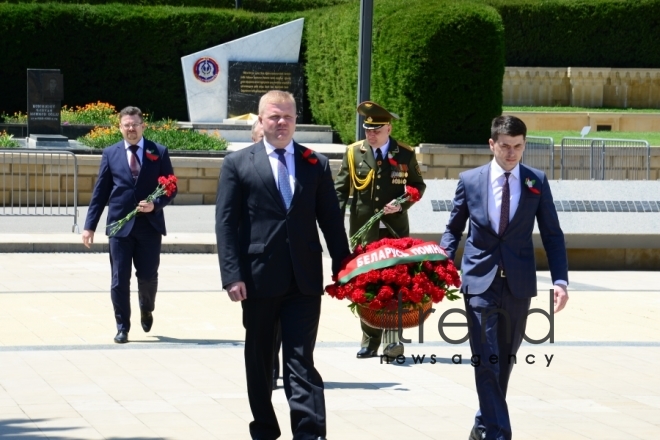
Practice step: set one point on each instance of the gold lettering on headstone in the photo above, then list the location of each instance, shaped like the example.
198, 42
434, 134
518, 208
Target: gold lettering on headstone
254, 82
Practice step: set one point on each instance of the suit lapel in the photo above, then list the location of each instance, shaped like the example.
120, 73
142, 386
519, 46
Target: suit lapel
123, 159
484, 183
261, 164
367, 156
300, 173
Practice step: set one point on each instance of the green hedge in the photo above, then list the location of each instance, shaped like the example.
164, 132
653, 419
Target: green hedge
438, 65
124, 56
581, 33
248, 5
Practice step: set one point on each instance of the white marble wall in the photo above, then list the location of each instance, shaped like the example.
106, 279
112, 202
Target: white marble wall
207, 101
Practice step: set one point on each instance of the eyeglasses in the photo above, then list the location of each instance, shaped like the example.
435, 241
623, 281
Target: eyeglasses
129, 126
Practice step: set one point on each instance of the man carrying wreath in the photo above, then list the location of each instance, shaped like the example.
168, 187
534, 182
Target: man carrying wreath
129, 173
376, 171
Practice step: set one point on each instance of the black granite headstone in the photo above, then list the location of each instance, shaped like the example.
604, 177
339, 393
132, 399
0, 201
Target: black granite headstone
45, 92
249, 81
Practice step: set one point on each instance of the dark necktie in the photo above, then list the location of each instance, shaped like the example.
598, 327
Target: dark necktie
506, 201
379, 157
134, 162
283, 178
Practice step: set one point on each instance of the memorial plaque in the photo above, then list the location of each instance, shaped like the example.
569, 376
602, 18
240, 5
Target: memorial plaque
617, 206
249, 81
601, 206
655, 206
646, 206
610, 206
45, 92
435, 205
558, 207
638, 206
588, 206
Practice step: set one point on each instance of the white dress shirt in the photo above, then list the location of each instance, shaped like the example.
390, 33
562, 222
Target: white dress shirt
139, 153
495, 193
290, 163
495, 197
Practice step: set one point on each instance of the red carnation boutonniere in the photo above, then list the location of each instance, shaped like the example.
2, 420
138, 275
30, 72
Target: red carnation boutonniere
151, 155
530, 186
391, 160
309, 156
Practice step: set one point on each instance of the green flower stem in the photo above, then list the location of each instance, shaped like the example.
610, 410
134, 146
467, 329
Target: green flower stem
357, 238
116, 226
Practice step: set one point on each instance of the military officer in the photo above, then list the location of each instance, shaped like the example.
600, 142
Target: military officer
376, 171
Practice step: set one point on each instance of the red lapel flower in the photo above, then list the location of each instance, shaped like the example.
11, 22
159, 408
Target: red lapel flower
530, 186
308, 155
151, 155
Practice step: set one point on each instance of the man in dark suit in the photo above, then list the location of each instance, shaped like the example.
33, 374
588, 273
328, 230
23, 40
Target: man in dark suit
128, 173
270, 197
500, 201
377, 170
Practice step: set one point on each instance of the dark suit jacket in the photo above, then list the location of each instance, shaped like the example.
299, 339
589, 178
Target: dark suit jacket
116, 188
259, 240
484, 247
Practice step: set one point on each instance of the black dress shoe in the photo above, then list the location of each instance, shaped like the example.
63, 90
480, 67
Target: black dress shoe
147, 320
477, 433
122, 337
365, 353
393, 350
274, 383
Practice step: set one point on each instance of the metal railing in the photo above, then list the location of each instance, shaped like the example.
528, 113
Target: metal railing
39, 183
605, 159
540, 154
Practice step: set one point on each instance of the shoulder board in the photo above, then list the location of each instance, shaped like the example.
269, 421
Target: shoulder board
355, 144
407, 147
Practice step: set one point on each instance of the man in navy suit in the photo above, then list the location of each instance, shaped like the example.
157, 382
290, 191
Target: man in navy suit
128, 173
270, 197
500, 201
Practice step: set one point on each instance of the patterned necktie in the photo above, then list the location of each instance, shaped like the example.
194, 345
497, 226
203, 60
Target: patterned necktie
379, 157
506, 196
283, 178
134, 162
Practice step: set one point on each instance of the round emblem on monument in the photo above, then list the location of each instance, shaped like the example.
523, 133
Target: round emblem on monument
206, 69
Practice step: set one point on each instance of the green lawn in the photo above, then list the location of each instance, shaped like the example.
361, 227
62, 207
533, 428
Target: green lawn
578, 109
653, 138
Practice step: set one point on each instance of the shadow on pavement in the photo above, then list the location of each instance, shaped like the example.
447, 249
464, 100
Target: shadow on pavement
359, 385
26, 429
169, 340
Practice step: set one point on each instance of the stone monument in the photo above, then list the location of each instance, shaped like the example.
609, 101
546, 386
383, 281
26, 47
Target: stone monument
45, 91
207, 73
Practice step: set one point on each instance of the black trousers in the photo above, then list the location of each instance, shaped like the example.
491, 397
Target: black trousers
497, 322
298, 316
142, 249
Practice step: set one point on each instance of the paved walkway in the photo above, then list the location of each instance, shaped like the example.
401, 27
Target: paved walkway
62, 377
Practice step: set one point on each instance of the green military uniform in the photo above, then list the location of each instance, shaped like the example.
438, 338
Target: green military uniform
380, 187
373, 187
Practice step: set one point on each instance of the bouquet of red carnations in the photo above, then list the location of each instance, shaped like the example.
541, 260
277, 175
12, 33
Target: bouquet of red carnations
166, 186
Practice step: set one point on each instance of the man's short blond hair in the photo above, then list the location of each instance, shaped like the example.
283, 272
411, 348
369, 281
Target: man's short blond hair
276, 97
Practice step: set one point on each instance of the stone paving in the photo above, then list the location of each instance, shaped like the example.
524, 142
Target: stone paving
62, 377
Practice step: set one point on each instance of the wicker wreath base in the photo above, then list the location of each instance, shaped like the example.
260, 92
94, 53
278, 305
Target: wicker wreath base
390, 320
